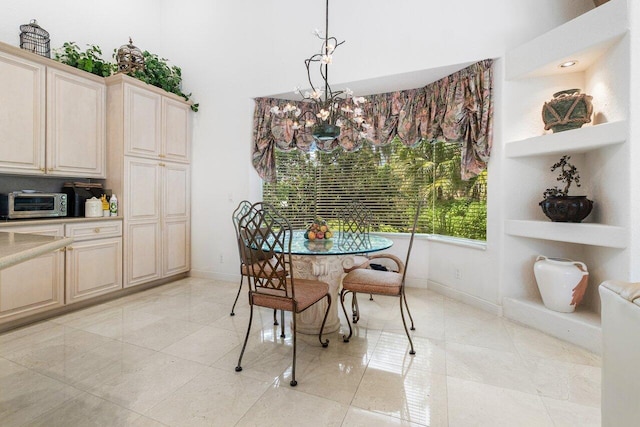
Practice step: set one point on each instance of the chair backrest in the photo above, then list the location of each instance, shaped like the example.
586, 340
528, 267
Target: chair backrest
267, 235
354, 225
413, 233
239, 212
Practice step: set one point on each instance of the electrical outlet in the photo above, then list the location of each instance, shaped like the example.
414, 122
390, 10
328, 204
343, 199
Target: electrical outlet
457, 273
221, 259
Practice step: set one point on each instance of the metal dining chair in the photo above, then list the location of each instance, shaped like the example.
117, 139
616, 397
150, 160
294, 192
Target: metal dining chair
242, 209
266, 235
354, 226
380, 282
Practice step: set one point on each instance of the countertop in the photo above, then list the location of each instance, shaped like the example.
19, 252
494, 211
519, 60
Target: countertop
54, 220
19, 247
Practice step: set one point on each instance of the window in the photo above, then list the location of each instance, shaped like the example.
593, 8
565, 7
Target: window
388, 180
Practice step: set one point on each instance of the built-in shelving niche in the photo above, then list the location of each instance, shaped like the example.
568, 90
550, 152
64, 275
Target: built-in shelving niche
599, 41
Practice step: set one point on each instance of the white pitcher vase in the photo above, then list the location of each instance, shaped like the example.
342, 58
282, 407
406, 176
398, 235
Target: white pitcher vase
562, 282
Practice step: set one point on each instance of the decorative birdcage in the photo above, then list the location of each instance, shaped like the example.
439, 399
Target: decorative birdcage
129, 58
35, 39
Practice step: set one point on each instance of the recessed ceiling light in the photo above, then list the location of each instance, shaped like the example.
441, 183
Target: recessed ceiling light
568, 64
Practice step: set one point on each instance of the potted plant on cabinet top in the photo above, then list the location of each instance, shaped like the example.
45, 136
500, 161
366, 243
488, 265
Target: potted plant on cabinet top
557, 205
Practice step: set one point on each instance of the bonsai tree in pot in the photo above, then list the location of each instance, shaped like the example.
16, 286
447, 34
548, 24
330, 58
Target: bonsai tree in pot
557, 205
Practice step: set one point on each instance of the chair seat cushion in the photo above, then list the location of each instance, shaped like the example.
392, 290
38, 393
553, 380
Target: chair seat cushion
308, 292
373, 282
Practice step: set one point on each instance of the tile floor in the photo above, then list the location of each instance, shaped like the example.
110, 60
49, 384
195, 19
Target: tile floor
166, 356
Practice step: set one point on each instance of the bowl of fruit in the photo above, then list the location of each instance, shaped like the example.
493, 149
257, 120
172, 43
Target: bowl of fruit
318, 230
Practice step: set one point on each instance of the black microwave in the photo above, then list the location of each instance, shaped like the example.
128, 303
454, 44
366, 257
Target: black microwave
27, 204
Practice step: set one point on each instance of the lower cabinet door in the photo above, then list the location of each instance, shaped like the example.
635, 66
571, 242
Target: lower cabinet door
143, 253
31, 287
93, 267
176, 247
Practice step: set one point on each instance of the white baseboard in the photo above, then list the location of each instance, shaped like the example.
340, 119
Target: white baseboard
581, 327
206, 274
465, 298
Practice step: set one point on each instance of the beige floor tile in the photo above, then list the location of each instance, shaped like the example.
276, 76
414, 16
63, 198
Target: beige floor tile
86, 410
26, 394
284, 406
417, 398
357, 417
477, 404
331, 376
49, 351
143, 385
214, 397
206, 345
532, 343
88, 369
494, 367
567, 414
566, 381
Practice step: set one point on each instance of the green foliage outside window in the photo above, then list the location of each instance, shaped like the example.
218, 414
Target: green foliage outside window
388, 180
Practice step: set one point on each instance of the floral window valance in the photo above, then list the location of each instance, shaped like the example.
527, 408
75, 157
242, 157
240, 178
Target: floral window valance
457, 108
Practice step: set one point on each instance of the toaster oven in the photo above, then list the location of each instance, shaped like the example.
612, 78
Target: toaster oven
32, 204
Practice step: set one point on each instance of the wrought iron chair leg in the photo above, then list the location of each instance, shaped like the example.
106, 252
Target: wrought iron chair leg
326, 313
293, 382
282, 334
404, 296
370, 297
355, 309
275, 317
237, 295
343, 294
246, 338
404, 323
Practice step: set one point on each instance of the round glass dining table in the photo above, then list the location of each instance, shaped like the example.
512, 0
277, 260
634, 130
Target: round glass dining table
323, 259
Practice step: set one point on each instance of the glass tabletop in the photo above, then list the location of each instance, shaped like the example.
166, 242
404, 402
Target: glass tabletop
339, 244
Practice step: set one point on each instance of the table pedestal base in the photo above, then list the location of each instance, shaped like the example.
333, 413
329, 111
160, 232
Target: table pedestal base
327, 269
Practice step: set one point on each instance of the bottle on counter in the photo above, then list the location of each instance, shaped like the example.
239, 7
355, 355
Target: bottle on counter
113, 205
105, 206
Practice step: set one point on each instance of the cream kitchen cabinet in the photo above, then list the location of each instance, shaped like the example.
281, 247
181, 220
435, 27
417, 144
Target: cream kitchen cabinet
36, 285
76, 134
52, 115
157, 218
155, 123
94, 260
148, 141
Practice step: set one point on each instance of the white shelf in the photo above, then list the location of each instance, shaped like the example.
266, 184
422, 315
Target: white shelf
581, 233
606, 25
580, 140
581, 327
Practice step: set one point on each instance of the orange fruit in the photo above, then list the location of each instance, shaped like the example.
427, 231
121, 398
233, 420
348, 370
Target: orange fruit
312, 235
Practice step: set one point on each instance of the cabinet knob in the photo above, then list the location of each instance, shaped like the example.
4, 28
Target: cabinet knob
43, 170
161, 155
96, 230
161, 164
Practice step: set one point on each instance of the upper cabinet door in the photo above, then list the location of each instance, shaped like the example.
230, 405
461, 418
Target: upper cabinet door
175, 130
142, 131
76, 138
22, 116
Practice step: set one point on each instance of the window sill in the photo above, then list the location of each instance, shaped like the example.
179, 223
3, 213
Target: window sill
456, 241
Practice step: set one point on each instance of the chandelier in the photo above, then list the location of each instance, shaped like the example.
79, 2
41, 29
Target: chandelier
328, 111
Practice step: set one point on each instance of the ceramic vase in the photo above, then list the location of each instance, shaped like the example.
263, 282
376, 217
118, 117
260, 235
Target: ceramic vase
561, 282
569, 109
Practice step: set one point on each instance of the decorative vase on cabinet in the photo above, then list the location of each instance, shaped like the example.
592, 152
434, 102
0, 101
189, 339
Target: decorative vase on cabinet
562, 282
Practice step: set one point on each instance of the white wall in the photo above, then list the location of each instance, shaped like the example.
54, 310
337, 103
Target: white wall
234, 50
